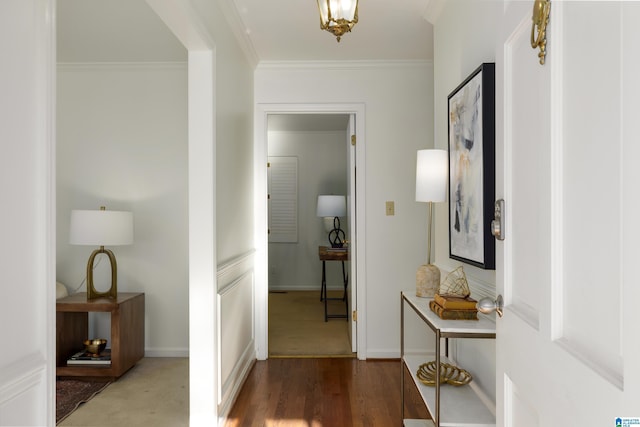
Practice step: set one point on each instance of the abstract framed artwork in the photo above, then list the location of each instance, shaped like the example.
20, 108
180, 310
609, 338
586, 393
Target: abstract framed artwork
472, 168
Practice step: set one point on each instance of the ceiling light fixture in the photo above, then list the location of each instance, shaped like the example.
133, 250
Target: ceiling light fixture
338, 16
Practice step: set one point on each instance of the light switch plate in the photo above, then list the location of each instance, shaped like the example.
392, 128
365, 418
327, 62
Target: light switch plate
390, 208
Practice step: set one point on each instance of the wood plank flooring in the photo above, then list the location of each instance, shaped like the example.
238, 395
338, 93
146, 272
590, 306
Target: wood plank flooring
327, 392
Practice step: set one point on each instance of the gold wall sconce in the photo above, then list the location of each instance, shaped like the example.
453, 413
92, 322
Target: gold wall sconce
541, 9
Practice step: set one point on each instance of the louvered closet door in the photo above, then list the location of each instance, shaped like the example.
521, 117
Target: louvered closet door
282, 181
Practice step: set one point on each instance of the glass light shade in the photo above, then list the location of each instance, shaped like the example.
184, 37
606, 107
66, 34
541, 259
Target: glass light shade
331, 206
338, 16
323, 7
431, 175
101, 228
343, 9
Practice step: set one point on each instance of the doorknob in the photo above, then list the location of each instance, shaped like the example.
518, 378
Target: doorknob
487, 305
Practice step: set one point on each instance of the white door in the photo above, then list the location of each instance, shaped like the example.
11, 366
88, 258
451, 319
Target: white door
351, 214
568, 346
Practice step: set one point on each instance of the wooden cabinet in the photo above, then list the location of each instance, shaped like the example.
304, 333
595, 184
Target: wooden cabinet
448, 405
127, 333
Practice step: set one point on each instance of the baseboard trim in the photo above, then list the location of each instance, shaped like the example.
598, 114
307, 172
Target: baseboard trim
383, 354
231, 389
305, 288
314, 356
166, 352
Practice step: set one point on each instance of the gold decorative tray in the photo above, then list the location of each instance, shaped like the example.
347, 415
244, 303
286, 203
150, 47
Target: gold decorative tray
449, 374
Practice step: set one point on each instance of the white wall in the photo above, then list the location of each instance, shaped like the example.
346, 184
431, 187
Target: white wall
322, 169
27, 253
27, 373
122, 143
465, 35
227, 319
398, 99
463, 41
218, 278
233, 94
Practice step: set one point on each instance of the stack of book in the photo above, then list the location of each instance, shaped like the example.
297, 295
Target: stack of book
454, 307
85, 358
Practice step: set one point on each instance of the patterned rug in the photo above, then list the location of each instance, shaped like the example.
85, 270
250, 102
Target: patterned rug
72, 393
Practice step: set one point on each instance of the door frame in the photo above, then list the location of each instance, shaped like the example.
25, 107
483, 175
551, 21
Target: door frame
261, 216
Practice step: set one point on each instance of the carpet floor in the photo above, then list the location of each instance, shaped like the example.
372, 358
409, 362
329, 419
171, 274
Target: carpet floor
70, 394
297, 327
155, 393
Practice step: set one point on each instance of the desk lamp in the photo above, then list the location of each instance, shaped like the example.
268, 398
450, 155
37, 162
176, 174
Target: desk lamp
333, 206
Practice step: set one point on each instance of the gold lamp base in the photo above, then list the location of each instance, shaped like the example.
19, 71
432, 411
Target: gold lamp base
112, 292
427, 281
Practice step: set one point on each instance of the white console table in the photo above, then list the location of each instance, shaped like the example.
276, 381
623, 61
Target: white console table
448, 405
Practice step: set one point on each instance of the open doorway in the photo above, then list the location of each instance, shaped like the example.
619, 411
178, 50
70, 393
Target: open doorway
308, 156
355, 207
188, 77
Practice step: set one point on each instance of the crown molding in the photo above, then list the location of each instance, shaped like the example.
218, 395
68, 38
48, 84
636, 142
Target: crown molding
121, 65
433, 10
343, 65
233, 17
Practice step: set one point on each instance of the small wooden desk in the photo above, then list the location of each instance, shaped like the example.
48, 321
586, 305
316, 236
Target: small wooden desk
127, 333
326, 254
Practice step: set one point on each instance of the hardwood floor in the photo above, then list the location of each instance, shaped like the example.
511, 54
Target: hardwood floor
329, 392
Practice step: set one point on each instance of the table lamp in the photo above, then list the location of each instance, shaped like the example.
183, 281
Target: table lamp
329, 207
101, 228
431, 186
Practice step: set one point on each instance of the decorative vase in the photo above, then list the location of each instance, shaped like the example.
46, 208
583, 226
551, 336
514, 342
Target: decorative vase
427, 280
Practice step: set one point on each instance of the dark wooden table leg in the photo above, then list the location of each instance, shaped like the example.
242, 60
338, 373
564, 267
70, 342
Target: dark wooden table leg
324, 289
345, 278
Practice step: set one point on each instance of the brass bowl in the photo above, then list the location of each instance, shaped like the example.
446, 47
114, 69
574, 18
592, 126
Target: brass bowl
449, 374
95, 346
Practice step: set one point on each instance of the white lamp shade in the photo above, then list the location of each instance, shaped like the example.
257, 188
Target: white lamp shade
331, 206
101, 228
431, 176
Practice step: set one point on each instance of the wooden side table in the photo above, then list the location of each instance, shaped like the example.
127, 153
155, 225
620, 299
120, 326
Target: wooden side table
127, 333
326, 254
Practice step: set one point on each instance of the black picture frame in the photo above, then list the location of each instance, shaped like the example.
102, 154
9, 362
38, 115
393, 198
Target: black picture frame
471, 141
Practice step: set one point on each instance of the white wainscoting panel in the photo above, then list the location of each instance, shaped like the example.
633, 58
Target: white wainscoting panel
236, 333
23, 383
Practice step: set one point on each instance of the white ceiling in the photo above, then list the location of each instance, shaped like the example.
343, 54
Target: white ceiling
275, 30
113, 31
290, 30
